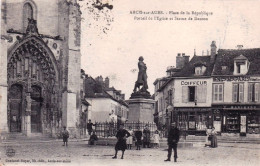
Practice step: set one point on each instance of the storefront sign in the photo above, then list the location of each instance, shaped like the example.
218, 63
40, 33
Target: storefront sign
234, 78
193, 83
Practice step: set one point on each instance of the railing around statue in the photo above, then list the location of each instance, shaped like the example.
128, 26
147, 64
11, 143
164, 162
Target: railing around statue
108, 129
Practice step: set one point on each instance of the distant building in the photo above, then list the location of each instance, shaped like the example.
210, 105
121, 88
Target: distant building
106, 103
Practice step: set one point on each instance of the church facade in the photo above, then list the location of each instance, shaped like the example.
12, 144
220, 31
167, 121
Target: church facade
40, 66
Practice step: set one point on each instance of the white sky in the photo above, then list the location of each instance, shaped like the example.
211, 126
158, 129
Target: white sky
115, 53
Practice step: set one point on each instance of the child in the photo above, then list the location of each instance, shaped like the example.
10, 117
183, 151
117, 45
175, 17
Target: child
156, 139
65, 135
129, 140
138, 138
93, 139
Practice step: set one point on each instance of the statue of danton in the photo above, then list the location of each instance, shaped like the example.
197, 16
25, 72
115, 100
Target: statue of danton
142, 76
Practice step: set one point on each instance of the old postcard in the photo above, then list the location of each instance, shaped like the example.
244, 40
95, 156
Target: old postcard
130, 82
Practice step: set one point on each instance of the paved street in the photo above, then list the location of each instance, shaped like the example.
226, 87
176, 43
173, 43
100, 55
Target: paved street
78, 153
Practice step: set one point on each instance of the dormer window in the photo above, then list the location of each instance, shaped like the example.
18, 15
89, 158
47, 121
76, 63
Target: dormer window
241, 65
200, 68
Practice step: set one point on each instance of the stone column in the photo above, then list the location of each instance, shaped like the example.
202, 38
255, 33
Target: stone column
28, 115
3, 73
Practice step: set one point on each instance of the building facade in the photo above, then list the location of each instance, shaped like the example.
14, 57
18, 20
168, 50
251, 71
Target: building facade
236, 91
164, 92
219, 90
106, 103
40, 66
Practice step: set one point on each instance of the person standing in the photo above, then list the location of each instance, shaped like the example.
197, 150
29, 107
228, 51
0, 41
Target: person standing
89, 126
173, 139
65, 136
121, 136
138, 137
129, 140
156, 139
146, 137
214, 142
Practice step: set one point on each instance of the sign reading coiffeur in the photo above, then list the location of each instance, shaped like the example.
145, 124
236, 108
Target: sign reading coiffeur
193, 83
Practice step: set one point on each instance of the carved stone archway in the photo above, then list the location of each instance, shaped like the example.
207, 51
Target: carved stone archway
32, 65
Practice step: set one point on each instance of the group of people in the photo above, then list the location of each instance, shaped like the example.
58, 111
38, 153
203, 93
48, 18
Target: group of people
142, 138
124, 140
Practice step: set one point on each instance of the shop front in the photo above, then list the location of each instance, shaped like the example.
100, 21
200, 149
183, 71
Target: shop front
194, 121
239, 119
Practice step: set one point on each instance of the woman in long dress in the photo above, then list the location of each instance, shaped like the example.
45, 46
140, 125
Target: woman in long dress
214, 141
129, 140
121, 136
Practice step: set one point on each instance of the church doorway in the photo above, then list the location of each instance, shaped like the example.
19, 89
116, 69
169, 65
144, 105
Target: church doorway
15, 101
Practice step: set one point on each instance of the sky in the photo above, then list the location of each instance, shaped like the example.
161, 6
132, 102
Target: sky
112, 40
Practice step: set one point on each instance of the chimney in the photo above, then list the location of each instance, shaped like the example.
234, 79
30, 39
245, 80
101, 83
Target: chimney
107, 82
213, 51
181, 61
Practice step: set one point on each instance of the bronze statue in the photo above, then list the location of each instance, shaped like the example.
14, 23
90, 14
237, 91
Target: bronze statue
142, 76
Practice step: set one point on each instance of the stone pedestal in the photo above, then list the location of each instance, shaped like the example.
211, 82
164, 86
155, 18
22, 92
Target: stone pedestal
141, 110
28, 126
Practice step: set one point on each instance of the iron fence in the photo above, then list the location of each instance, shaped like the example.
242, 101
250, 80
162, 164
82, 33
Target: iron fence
109, 129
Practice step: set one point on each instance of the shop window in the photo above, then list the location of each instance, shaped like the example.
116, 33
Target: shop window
253, 124
218, 92
238, 92
232, 123
192, 93
192, 121
253, 92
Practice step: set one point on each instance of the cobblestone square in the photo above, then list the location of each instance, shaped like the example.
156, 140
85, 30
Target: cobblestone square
79, 153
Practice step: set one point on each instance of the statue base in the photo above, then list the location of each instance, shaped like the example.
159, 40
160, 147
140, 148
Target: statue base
141, 110
140, 94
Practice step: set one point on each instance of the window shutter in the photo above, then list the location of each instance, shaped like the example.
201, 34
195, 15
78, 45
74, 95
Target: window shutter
201, 93
220, 88
257, 92
184, 94
250, 95
241, 92
235, 92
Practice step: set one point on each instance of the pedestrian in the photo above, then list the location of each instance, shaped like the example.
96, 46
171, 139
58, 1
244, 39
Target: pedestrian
93, 139
208, 137
89, 126
129, 140
173, 139
138, 138
156, 139
214, 141
121, 136
65, 136
146, 137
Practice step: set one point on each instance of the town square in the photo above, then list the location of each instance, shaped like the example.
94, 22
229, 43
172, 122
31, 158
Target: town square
109, 82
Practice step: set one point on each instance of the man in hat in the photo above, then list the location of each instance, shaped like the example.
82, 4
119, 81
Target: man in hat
65, 136
173, 139
121, 136
89, 126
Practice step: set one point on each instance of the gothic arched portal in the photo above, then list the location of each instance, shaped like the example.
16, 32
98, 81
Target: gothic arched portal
32, 71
